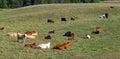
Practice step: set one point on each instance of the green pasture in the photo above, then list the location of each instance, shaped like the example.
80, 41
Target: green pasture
105, 45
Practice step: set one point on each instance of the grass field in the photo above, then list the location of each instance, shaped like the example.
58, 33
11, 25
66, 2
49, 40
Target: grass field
105, 45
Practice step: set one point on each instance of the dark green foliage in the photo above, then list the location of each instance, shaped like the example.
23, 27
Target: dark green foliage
3, 3
14, 3
32, 2
26, 2
22, 3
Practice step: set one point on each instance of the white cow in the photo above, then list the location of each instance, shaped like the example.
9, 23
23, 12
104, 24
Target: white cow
43, 45
102, 16
87, 36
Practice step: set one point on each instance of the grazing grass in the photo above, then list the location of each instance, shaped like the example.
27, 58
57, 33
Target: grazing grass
105, 45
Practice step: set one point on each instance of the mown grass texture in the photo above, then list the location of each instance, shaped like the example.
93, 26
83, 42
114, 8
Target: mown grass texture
105, 45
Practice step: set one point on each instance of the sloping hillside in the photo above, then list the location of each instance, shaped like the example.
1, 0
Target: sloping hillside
105, 45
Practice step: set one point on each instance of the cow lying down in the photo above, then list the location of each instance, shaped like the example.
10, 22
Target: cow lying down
31, 45
62, 46
43, 45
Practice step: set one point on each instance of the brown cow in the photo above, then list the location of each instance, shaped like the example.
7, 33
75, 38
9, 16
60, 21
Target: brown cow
32, 45
98, 30
73, 18
31, 33
62, 46
52, 31
71, 37
2, 28
50, 21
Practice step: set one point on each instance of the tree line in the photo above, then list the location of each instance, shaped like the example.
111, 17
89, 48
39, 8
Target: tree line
22, 3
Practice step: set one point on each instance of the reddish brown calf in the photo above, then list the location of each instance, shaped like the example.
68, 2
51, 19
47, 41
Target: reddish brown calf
71, 37
32, 45
62, 46
31, 33
98, 30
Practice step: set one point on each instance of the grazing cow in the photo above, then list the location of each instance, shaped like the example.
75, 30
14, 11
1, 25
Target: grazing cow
87, 36
98, 30
68, 33
104, 16
12, 34
71, 37
2, 28
52, 31
43, 45
63, 19
50, 21
34, 33
62, 46
48, 37
21, 37
32, 45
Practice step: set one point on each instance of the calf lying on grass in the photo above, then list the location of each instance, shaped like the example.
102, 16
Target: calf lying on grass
30, 37
62, 46
71, 37
50, 21
63, 19
104, 15
73, 18
32, 45
34, 33
43, 45
2, 28
68, 34
87, 36
98, 30
111, 6
52, 31
12, 34
47, 36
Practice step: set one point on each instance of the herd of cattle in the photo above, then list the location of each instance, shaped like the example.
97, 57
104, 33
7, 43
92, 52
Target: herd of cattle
70, 35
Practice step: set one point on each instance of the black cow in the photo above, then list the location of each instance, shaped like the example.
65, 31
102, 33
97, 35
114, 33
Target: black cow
111, 6
21, 37
68, 34
63, 19
106, 15
50, 21
47, 37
